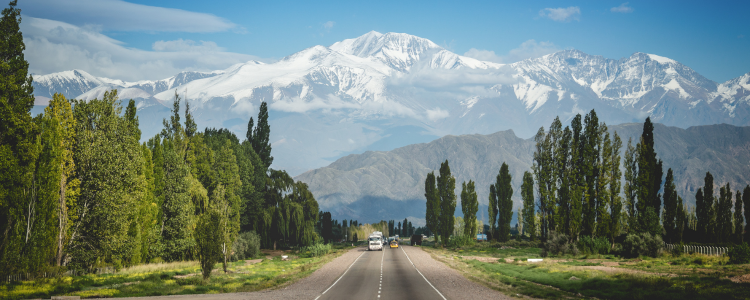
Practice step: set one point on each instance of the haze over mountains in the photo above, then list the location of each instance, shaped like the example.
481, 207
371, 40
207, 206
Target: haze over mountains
383, 91
379, 185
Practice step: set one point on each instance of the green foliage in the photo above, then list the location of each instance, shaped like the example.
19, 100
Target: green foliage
111, 186
649, 172
669, 216
247, 245
208, 240
643, 244
432, 214
558, 244
317, 249
738, 219
589, 245
458, 241
631, 186
177, 208
527, 194
678, 250
446, 187
746, 202
504, 191
260, 138
469, 206
739, 254
704, 202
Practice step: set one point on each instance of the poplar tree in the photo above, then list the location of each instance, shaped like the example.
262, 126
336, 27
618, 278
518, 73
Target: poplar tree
704, 204
432, 214
446, 186
613, 189
681, 219
670, 208
18, 143
469, 206
738, 219
746, 202
542, 173
631, 186
724, 214
261, 136
527, 194
492, 212
649, 180
504, 191
576, 175
603, 200
590, 168
562, 170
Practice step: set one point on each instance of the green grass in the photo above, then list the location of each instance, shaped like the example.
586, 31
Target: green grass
619, 286
166, 279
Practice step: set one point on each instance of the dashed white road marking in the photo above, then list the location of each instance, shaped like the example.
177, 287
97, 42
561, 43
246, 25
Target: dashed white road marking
342, 276
420, 273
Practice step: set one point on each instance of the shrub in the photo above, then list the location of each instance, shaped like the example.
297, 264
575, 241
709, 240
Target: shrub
739, 254
643, 244
207, 241
247, 245
589, 245
318, 249
558, 244
678, 250
457, 241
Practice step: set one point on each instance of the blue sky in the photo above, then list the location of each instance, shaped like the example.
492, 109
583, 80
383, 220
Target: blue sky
155, 39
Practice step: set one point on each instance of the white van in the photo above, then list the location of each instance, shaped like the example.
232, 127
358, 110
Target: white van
375, 242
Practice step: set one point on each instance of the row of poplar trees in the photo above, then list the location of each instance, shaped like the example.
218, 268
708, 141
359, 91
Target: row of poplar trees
78, 189
580, 189
441, 204
716, 223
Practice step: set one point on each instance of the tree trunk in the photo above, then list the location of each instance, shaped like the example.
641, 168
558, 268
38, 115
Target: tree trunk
62, 221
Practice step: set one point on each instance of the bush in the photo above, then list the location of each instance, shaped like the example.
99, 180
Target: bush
678, 250
558, 244
457, 241
207, 241
739, 254
589, 245
247, 245
643, 244
318, 249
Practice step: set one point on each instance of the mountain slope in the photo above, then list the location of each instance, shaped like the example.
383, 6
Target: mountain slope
359, 94
360, 181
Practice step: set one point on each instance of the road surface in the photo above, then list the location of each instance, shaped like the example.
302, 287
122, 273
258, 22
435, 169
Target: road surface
387, 274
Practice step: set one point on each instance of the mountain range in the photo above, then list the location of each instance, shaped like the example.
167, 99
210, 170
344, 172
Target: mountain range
384, 91
382, 185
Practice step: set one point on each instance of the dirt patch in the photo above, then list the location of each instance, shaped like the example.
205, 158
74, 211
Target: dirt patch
485, 259
740, 279
613, 270
253, 261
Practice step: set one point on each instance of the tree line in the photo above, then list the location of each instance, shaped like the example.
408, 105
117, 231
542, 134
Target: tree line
78, 189
576, 187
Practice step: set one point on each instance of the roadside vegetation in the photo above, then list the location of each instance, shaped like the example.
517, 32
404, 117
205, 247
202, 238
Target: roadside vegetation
264, 271
505, 267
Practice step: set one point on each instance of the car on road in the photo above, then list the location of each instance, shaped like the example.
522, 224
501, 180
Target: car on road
375, 241
394, 244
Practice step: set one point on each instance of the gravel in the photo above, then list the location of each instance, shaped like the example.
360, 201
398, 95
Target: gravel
448, 281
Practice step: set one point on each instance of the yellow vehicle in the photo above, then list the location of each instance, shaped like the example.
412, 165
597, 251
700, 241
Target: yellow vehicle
394, 244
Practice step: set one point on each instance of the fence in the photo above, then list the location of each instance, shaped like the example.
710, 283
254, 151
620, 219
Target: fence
707, 250
32, 276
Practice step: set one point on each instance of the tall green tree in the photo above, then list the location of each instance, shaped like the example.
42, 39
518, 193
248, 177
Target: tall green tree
577, 185
631, 186
261, 136
492, 213
669, 215
18, 144
527, 213
738, 219
177, 207
681, 219
504, 191
724, 214
614, 175
469, 206
446, 187
432, 213
603, 224
591, 169
704, 202
649, 177
110, 185
563, 170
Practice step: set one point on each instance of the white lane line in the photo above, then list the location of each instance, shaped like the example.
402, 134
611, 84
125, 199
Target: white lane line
420, 273
342, 276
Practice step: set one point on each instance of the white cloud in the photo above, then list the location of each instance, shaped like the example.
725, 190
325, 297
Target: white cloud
623, 8
123, 16
54, 46
561, 14
329, 24
527, 49
436, 114
186, 46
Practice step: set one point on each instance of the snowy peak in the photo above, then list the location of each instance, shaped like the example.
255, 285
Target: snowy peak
397, 50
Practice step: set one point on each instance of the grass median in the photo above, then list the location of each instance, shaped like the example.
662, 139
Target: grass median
176, 278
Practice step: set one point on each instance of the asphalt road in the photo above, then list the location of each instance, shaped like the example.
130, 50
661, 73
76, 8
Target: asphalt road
387, 274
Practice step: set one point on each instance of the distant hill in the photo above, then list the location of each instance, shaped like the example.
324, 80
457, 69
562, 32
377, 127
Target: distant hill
379, 185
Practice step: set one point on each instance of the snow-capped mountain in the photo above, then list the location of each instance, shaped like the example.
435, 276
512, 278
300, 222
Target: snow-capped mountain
382, 91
